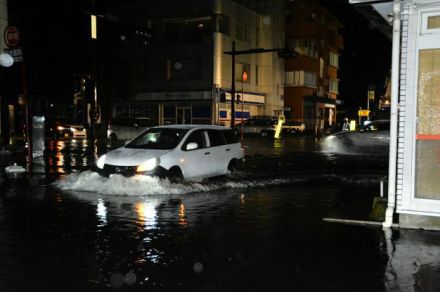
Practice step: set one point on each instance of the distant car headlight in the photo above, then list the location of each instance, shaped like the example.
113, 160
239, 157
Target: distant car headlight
60, 128
148, 165
101, 161
73, 129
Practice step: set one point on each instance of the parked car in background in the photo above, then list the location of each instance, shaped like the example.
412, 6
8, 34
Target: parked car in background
177, 152
257, 126
127, 128
293, 127
59, 130
371, 138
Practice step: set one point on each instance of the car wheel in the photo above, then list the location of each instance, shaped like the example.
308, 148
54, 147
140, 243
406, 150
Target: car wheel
175, 174
233, 166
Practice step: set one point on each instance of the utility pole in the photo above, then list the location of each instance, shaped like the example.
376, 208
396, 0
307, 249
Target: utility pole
233, 87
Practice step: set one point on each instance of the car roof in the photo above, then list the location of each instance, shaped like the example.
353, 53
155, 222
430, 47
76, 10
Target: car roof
194, 126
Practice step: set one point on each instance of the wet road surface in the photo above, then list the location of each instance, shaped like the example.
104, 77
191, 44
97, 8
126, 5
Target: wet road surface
63, 228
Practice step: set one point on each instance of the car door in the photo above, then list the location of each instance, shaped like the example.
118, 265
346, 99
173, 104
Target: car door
220, 151
197, 162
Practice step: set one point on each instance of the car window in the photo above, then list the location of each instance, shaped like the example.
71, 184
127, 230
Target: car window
230, 137
198, 137
158, 138
216, 138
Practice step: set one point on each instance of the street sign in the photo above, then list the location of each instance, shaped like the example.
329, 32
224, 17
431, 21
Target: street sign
16, 53
363, 113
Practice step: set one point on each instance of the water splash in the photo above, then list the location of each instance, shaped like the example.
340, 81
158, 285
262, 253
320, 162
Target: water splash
89, 181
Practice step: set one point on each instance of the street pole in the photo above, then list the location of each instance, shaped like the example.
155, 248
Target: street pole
27, 115
233, 87
242, 101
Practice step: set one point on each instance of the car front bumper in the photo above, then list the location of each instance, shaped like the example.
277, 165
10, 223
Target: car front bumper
128, 171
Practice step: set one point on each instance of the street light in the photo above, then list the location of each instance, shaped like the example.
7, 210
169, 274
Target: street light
6, 60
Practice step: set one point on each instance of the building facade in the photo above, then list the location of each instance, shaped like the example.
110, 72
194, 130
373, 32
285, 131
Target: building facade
311, 80
182, 74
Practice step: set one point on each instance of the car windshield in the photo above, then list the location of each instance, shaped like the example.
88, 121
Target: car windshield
158, 138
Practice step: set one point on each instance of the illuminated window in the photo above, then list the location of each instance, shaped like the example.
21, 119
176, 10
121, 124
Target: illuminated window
430, 22
334, 60
301, 78
434, 22
334, 85
304, 47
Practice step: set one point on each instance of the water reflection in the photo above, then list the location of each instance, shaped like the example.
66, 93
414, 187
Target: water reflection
147, 214
182, 217
101, 212
72, 155
413, 260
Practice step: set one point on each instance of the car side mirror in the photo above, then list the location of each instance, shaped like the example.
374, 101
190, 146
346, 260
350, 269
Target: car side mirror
192, 146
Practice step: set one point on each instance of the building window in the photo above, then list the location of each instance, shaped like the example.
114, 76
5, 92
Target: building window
310, 79
294, 78
304, 47
334, 85
434, 22
243, 32
301, 78
334, 60
222, 24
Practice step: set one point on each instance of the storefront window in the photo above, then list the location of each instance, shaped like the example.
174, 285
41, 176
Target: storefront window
169, 114
428, 126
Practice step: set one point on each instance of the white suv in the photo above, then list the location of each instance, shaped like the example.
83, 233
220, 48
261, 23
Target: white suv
177, 152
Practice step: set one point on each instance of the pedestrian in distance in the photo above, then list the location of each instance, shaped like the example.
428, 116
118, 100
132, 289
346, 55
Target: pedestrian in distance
346, 125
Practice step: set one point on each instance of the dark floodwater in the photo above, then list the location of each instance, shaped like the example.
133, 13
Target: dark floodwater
65, 229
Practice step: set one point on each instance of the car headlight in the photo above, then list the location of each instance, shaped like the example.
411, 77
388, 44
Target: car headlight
73, 129
60, 128
101, 161
148, 165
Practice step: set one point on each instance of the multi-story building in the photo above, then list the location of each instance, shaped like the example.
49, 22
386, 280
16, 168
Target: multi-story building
180, 71
311, 80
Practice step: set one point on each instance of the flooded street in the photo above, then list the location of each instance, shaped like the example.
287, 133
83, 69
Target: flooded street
65, 228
